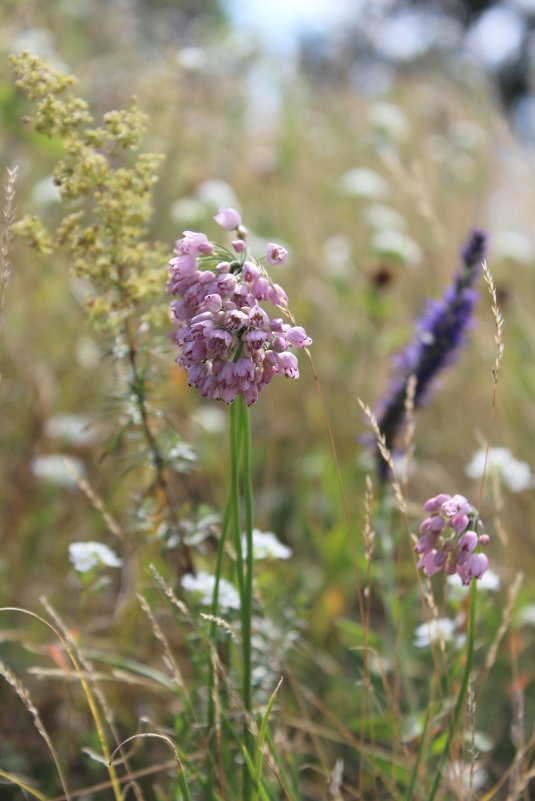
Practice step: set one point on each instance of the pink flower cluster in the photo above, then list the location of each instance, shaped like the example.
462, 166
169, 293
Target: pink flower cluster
227, 342
447, 542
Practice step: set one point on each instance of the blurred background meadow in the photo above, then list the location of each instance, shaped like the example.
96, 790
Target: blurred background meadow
368, 138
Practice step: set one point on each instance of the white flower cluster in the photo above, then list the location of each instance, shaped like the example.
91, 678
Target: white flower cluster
267, 546
202, 585
514, 474
87, 555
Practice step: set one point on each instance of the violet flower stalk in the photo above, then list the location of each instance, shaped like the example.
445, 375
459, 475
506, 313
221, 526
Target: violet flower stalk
440, 333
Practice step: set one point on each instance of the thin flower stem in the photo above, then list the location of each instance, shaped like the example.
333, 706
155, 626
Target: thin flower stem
462, 693
235, 496
213, 639
247, 601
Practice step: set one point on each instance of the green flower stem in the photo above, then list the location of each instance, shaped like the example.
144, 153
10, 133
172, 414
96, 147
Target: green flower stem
235, 495
247, 598
462, 694
213, 641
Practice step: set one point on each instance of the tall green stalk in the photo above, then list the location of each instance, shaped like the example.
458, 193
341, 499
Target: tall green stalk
247, 599
462, 693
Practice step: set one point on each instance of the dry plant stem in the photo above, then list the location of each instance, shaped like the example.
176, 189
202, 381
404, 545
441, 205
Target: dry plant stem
9, 777
498, 338
138, 774
180, 774
26, 699
367, 695
92, 679
137, 385
5, 250
88, 693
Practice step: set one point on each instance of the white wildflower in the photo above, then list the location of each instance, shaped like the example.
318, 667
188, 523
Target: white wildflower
457, 591
440, 628
379, 216
266, 545
191, 58
87, 555
361, 182
389, 242
509, 244
45, 192
458, 776
337, 256
202, 585
54, 467
216, 193
211, 418
389, 119
514, 474
69, 427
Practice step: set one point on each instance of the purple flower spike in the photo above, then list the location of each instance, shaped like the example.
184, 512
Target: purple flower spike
227, 218
276, 254
440, 333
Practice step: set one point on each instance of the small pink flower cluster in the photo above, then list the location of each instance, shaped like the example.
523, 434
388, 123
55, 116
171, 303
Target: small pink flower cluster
447, 541
227, 342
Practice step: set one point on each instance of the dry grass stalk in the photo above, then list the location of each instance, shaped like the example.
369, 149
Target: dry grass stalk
471, 719
24, 695
223, 624
168, 658
506, 619
518, 739
96, 502
336, 780
145, 735
498, 339
498, 321
168, 591
91, 691
410, 426
385, 453
5, 249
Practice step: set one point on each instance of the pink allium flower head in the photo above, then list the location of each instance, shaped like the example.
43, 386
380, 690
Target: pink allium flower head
447, 543
468, 542
226, 340
434, 523
428, 563
459, 522
227, 218
276, 254
239, 245
434, 505
477, 565
458, 505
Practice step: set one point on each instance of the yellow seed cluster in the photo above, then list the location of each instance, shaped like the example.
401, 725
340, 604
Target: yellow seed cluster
106, 239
